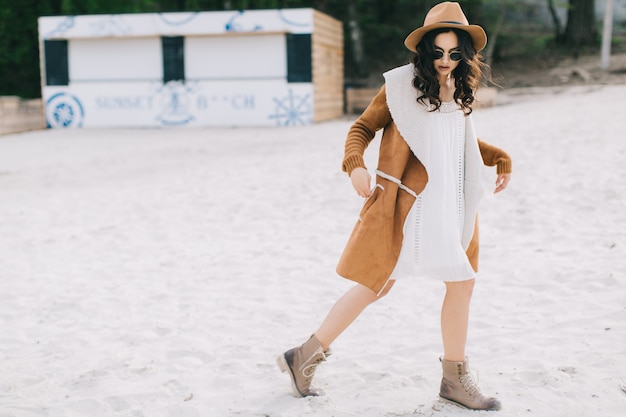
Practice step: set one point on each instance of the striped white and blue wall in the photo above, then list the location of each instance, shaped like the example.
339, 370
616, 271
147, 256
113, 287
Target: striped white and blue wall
232, 68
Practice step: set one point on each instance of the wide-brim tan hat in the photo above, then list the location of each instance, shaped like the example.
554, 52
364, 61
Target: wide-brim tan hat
447, 15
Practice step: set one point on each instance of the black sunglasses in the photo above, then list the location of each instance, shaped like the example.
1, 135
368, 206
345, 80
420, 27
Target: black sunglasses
454, 56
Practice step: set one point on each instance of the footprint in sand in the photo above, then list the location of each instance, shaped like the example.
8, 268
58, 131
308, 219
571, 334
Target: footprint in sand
189, 359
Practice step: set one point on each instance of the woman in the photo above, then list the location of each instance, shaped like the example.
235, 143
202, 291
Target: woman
420, 219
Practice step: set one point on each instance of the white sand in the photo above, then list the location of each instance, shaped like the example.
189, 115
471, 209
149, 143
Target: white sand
149, 273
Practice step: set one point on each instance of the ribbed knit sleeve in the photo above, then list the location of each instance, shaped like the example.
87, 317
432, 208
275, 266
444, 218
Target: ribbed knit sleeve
494, 156
375, 117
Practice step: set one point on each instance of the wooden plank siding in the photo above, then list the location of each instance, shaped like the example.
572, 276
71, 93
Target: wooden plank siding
327, 63
17, 115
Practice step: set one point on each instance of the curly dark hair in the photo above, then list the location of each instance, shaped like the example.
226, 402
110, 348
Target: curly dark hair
467, 75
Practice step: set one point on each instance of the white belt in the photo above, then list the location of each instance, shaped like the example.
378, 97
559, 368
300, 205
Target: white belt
397, 181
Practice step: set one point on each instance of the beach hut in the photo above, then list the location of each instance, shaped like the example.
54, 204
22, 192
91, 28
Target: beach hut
228, 68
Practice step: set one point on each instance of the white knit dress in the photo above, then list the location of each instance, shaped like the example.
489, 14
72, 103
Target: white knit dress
431, 247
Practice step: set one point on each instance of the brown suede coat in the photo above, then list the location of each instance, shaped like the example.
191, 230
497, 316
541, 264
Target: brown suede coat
374, 245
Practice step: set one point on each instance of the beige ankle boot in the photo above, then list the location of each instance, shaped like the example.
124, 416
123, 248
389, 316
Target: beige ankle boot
300, 362
458, 386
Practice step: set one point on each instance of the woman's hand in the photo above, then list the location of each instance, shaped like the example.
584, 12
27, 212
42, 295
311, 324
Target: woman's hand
361, 180
501, 182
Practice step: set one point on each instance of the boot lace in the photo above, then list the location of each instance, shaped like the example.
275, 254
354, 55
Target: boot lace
309, 370
469, 385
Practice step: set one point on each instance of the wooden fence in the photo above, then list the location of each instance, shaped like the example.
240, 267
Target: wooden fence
17, 115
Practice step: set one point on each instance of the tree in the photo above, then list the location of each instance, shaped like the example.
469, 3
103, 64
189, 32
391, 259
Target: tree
605, 55
19, 53
558, 27
581, 24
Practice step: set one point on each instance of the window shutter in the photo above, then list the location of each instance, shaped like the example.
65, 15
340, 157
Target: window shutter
55, 55
173, 58
299, 69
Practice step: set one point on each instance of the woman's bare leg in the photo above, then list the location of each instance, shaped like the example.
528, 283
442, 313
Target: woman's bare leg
346, 310
455, 319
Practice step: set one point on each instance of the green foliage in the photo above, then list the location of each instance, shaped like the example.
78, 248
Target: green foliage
382, 24
19, 53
